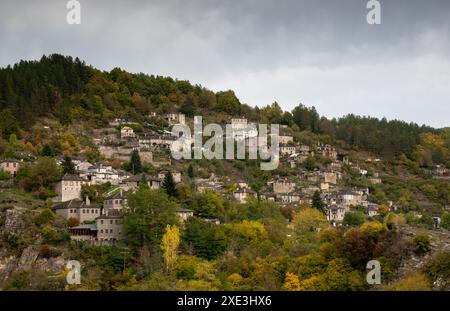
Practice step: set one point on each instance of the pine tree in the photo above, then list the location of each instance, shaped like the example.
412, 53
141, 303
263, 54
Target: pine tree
190, 171
135, 164
67, 166
169, 185
47, 151
317, 201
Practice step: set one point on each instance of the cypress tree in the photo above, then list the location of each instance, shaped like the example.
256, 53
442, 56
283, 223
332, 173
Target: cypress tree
169, 185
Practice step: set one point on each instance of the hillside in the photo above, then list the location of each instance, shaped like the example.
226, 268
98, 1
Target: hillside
86, 174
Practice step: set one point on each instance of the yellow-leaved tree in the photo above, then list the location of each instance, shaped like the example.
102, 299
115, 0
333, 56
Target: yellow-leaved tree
169, 245
291, 282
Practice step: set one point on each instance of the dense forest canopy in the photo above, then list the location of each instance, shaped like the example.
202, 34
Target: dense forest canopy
67, 89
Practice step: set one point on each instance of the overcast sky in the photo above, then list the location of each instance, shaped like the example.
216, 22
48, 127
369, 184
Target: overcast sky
315, 52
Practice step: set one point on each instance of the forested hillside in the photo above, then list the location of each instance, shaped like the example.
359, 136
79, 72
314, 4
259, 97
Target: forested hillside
68, 90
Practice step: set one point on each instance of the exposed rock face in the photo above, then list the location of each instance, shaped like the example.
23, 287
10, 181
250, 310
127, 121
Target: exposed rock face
54, 265
15, 222
8, 265
29, 256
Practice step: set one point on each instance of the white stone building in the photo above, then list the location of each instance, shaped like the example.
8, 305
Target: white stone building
242, 195
70, 187
10, 166
127, 132
78, 209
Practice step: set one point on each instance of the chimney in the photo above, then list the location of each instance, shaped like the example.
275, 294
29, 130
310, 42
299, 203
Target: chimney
88, 202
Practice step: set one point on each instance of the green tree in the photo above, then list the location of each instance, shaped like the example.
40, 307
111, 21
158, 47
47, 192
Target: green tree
307, 223
42, 174
8, 123
317, 202
422, 243
445, 220
169, 185
204, 239
67, 166
146, 217
190, 171
228, 102
208, 204
135, 164
47, 151
354, 218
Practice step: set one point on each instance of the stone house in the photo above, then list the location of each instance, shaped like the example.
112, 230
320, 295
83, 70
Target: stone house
127, 132
208, 185
285, 139
327, 151
239, 123
372, 209
134, 181
161, 141
78, 209
101, 174
286, 149
82, 165
350, 198
288, 198
335, 213
242, 195
175, 118
69, 187
283, 186
268, 196
109, 226
116, 201
175, 174
10, 166
184, 214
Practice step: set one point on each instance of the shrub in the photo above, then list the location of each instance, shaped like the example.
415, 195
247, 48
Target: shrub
44, 217
413, 282
438, 269
4, 175
445, 220
354, 218
48, 252
53, 235
72, 222
422, 243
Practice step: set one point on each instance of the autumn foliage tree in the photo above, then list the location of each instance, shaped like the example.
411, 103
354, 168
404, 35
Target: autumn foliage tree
169, 245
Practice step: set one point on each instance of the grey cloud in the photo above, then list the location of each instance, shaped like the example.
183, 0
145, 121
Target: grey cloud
318, 52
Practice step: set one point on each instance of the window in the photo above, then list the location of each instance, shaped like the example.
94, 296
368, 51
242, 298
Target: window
101, 230
101, 221
84, 211
110, 230
117, 221
87, 211
111, 222
92, 211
